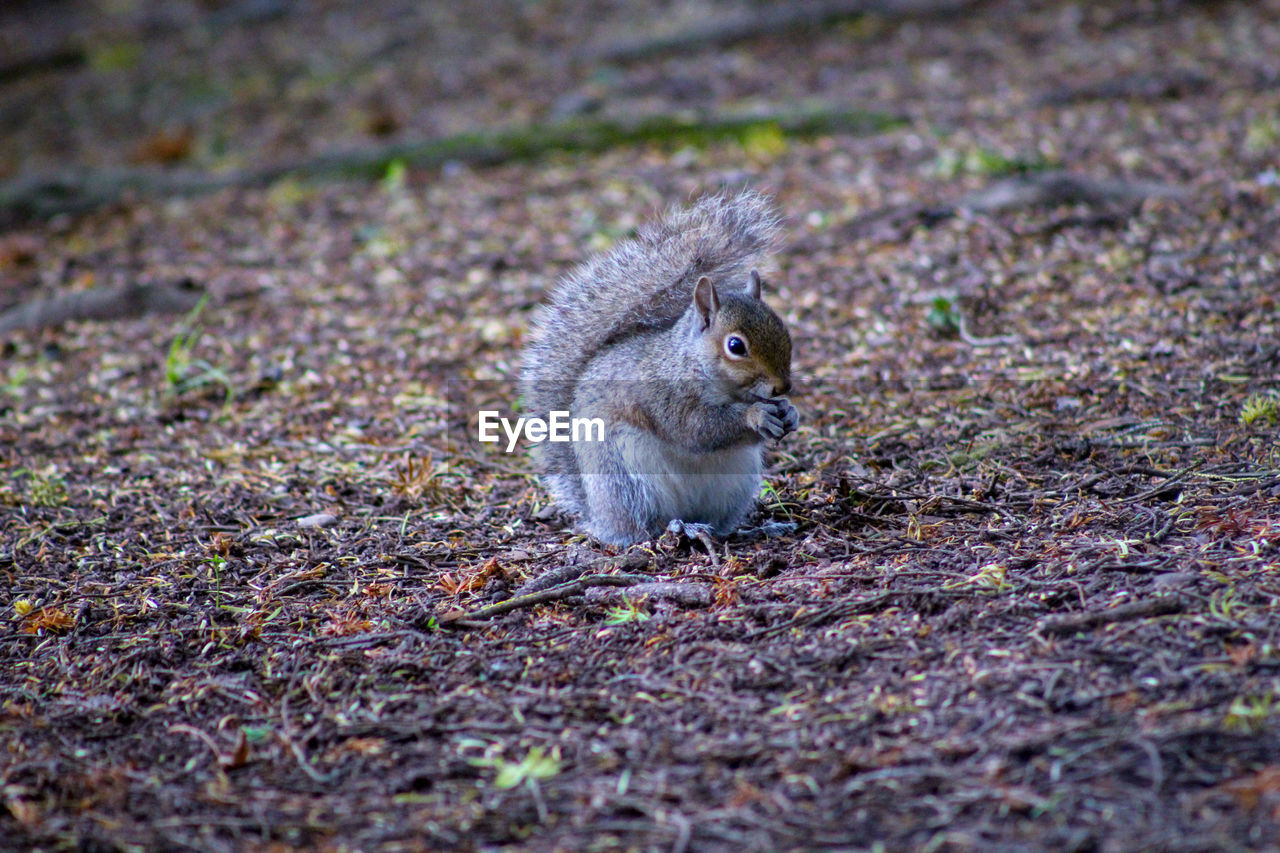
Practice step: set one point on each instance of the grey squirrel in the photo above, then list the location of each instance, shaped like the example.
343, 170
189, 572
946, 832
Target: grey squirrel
667, 340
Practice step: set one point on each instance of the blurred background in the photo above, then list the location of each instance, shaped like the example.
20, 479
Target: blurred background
222, 84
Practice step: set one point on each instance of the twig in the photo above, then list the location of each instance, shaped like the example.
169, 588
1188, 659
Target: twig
368, 639
840, 608
688, 594
979, 343
1038, 189
1057, 187
767, 21
1173, 84
103, 303
203, 737
56, 58
1164, 485
629, 561
42, 196
1072, 623
555, 593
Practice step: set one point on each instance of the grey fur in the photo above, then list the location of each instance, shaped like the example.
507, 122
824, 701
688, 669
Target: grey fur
619, 339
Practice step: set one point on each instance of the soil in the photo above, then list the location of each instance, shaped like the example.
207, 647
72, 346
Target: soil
252, 563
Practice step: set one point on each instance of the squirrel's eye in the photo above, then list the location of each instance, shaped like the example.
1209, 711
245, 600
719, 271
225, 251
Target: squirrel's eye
735, 346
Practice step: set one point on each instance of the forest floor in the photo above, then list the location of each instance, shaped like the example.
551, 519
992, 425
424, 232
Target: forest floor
1033, 597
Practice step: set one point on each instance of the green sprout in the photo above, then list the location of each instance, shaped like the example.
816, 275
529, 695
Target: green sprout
393, 179
1263, 409
943, 317
182, 371
45, 489
1249, 713
535, 767
628, 611
952, 163
532, 769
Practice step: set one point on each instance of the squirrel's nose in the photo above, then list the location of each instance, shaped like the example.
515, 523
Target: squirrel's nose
782, 387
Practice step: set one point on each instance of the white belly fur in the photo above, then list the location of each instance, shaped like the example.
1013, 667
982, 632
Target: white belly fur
713, 488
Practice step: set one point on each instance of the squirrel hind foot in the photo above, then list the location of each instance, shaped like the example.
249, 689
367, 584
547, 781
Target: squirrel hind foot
691, 529
696, 530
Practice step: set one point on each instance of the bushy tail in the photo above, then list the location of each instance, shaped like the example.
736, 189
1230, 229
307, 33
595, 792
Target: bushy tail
640, 284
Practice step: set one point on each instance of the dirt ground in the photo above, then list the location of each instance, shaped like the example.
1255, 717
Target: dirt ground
261, 592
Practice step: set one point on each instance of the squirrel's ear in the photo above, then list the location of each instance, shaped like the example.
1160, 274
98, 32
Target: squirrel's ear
753, 286
706, 301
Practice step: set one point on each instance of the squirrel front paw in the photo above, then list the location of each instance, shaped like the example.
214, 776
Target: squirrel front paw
773, 418
790, 417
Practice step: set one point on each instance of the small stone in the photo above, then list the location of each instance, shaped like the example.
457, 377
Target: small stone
320, 519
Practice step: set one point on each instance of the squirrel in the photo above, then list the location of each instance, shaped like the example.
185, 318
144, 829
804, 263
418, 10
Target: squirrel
666, 339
